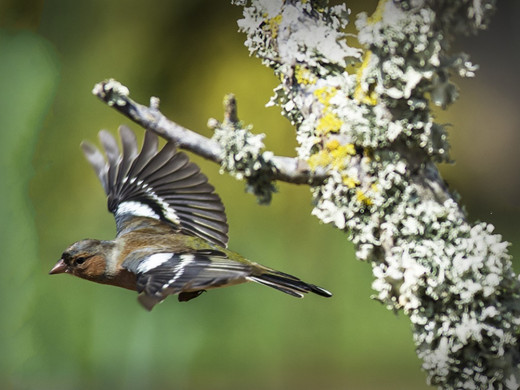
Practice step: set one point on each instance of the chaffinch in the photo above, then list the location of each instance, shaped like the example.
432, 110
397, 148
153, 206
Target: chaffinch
171, 228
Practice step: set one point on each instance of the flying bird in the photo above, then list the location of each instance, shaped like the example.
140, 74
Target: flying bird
171, 228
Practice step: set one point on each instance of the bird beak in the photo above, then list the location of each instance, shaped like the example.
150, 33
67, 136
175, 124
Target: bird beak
59, 268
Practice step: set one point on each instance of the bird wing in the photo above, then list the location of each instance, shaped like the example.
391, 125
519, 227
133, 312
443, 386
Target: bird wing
163, 185
159, 274
186, 274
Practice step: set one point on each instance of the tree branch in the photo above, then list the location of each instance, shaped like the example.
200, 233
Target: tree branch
116, 95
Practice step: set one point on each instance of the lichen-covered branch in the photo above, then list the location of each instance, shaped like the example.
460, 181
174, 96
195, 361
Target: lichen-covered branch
291, 170
372, 130
242, 153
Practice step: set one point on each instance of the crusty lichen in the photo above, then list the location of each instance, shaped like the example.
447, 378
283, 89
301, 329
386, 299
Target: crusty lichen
242, 153
112, 91
374, 132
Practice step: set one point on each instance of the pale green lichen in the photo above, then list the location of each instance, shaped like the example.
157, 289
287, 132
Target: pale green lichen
244, 158
112, 91
453, 279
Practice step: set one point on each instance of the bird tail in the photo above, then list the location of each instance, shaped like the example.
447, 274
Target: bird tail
287, 283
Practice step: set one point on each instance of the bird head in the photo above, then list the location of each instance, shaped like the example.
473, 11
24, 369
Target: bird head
85, 259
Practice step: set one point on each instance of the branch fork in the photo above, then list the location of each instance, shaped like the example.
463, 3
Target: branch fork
116, 95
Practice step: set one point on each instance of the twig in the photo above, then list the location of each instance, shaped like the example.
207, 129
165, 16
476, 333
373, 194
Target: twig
116, 95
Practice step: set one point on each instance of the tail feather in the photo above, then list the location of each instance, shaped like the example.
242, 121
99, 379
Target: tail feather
288, 284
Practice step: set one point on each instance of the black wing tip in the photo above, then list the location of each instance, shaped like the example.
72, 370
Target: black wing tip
289, 284
320, 291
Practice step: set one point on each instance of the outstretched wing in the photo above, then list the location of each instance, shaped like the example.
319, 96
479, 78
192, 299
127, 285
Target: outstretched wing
186, 274
163, 185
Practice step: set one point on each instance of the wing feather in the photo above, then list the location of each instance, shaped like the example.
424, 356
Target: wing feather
97, 161
163, 274
149, 149
112, 152
187, 274
129, 143
161, 184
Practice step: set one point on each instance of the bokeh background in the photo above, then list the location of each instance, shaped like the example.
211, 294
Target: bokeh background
64, 333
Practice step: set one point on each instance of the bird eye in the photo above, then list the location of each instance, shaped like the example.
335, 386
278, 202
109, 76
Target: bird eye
80, 260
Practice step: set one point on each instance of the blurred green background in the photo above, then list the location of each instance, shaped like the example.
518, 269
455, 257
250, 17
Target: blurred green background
64, 333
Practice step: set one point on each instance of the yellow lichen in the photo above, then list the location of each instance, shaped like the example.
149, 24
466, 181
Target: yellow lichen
350, 181
334, 155
332, 144
273, 25
320, 159
341, 155
378, 13
363, 198
324, 94
328, 123
304, 76
361, 94
350, 149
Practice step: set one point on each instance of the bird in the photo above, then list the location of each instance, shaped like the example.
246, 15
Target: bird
172, 230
